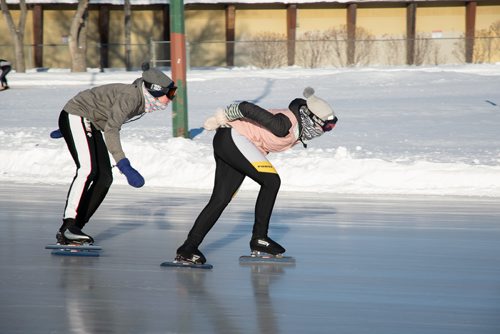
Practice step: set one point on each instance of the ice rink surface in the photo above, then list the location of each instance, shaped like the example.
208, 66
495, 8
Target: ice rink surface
363, 265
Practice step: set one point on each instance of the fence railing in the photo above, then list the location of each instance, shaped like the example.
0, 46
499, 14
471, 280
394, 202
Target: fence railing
271, 54
332, 53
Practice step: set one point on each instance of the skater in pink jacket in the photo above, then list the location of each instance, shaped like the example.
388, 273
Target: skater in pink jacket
245, 134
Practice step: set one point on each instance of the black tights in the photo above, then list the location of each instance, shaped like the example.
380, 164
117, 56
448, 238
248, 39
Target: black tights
231, 169
3, 75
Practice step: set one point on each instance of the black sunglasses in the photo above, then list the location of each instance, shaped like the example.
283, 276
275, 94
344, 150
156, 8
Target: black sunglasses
170, 91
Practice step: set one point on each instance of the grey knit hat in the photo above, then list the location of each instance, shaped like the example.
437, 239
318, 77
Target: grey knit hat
317, 106
157, 82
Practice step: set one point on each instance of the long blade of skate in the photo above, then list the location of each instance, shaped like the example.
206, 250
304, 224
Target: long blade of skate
74, 247
182, 264
267, 258
74, 250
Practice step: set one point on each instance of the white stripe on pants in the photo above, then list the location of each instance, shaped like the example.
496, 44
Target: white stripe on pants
78, 187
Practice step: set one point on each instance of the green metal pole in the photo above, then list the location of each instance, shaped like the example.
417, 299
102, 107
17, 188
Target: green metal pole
178, 64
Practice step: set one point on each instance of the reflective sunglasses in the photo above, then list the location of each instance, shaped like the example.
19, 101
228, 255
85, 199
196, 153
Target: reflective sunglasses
327, 125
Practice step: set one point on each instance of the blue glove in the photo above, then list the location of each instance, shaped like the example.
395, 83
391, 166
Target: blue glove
56, 134
133, 177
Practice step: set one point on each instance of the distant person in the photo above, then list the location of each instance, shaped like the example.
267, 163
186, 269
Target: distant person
246, 133
83, 121
5, 66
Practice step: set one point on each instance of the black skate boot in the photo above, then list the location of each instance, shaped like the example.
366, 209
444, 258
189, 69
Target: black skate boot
69, 233
190, 253
61, 240
265, 245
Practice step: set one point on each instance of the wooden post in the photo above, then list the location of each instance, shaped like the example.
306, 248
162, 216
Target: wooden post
351, 33
178, 58
291, 32
470, 27
38, 35
411, 19
166, 23
166, 51
104, 36
127, 23
230, 34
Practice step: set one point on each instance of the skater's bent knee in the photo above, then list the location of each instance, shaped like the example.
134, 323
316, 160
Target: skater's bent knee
272, 181
106, 180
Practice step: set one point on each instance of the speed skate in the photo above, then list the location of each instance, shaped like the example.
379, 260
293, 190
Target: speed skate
179, 263
261, 257
74, 249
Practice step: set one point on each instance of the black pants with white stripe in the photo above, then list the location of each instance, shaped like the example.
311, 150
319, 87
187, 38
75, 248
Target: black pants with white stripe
235, 158
93, 176
3, 75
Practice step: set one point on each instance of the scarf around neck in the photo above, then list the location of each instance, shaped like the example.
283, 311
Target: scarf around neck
309, 129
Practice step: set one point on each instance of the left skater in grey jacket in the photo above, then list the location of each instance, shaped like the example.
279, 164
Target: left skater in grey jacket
90, 123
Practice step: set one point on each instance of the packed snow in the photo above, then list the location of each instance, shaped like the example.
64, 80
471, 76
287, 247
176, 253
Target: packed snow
405, 130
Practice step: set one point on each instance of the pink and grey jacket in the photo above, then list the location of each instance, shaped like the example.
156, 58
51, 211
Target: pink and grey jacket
274, 130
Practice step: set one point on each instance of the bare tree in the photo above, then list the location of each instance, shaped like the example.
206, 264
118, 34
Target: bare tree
339, 39
314, 48
436, 56
268, 50
487, 45
78, 38
365, 47
392, 49
459, 50
17, 32
422, 48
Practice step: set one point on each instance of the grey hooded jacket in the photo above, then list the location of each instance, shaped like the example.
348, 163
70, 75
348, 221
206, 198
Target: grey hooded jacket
108, 107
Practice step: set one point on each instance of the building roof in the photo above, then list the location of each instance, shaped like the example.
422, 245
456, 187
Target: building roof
156, 2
